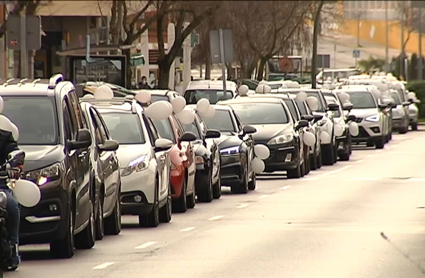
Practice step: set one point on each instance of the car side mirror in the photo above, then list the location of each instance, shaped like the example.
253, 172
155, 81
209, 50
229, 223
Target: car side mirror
406, 103
393, 105
347, 107
82, 141
212, 133
333, 107
109, 146
307, 117
351, 118
384, 106
247, 129
188, 137
162, 144
317, 117
301, 124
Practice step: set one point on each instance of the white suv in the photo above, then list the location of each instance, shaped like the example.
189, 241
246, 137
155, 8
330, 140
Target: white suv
209, 89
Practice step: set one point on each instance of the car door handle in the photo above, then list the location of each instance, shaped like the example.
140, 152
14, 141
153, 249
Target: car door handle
82, 154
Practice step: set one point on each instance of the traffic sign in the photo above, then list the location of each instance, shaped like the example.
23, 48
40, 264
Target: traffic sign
32, 30
194, 39
356, 53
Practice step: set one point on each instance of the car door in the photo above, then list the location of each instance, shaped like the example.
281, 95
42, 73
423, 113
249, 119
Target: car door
163, 161
247, 139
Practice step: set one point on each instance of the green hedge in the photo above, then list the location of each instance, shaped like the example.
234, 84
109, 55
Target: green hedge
418, 87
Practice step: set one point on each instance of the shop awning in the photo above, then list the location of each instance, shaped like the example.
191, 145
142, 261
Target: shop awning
93, 49
137, 60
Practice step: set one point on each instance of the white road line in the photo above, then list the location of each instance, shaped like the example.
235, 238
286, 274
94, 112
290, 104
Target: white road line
285, 187
364, 179
370, 155
336, 171
187, 229
146, 245
216, 217
311, 179
103, 266
379, 151
416, 179
242, 206
359, 161
264, 196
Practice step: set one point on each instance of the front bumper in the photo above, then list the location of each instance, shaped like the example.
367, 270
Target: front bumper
47, 221
232, 169
282, 157
397, 123
368, 133
138, 192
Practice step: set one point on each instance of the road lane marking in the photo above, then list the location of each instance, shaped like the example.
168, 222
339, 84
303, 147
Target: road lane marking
416, 179
360, 161
264, 196
216, 217
311, 179
370, 155
187, 229
379, 151
336, 171
364, 179
285, 187
146, 245
103, 266
242, 206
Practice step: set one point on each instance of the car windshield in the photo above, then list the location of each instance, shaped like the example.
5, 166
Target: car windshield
192, 96
261, 113
362, 100
321, 106
330, 99
155, 98
396, 98
221, 121
35, 117
192, 128
301, 107
124, 127
165, 129
292, 108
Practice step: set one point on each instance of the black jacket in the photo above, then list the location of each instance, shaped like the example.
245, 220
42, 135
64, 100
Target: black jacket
7, 145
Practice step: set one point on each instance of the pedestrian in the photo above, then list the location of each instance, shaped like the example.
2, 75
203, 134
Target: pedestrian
143, 84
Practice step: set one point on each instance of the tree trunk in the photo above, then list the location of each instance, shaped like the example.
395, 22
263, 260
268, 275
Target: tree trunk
315, 37
208, 66
129, 69
261, 66
164, 73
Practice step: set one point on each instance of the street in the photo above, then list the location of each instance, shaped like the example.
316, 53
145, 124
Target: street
362, 218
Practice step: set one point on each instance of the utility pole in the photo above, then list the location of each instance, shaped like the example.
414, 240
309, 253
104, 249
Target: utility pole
315, 38
387, 63
420, 62
401, 62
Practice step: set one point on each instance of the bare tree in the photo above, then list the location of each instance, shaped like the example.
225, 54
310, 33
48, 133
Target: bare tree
407, 20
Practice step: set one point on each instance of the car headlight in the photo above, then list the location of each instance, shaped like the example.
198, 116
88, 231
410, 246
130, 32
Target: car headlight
199, 160
281, 139
136, 165
373, 118
42, 176
231, 150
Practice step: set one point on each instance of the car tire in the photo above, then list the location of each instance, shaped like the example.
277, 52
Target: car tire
165, 213
319, 159
152, 219
328, 154
380, 143
295, 173
64, 248
253, 183
313, 161
403, 130
414, 126
87, 237
100, 225
217, 186
191, 200
180, 204
113, 222
242, 188
204, 184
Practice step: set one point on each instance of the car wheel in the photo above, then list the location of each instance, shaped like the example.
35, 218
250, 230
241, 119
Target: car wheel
319, 158
307, 164
217, 186
243, 186
313, 161
328, 154
380, 143
295, 173
100, 232
204, 183
64, 248
403, 130
166, 211
87, 237
191, 200
180, 204
113, 222
414, 126
152, 219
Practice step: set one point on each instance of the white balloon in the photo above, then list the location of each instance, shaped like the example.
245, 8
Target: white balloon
178, 104
210, 113
325, 138
409, 95
301, 96
261, 151
170, 107
338, 130
203, 105
243, 90
353, 128
143, 96
263, 89
158, 110
5, 124
15, 131
1, 104
262, 82
309, 139
88, 96
312, 103
27, 193
258, 165
344, 97
103, 93
186, 116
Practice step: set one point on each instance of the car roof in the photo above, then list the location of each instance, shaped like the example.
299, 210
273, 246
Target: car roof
281, 96
250, 100
211, 84
289, 90
117, 105
38, 87
162, 92
353, 90
216, 107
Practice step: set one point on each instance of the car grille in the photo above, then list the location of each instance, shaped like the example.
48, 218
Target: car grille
362, 133
359, 120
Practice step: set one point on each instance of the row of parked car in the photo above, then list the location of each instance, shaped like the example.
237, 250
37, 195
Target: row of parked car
97, 153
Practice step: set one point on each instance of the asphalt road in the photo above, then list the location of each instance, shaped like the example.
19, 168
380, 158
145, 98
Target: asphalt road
362, 218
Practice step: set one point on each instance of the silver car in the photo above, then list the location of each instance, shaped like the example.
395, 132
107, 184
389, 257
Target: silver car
413, 110
400, 113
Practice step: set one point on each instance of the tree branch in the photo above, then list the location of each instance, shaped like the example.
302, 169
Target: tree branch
139, 14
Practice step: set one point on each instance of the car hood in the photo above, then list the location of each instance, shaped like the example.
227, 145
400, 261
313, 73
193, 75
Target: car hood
362, 113
227, 141
37, 157
128, 153
266, 132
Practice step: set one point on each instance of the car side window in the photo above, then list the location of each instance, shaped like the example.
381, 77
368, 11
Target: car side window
180, 128
96, 124
152, 132
103, 128
165, 129
202, 124
72, 115
77, 110
67, 124
238, 121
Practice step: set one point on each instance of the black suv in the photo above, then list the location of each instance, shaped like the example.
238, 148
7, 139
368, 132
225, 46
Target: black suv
55, 138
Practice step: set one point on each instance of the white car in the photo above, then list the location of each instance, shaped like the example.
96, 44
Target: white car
209, 89
144, 160
413, 110
400, 113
